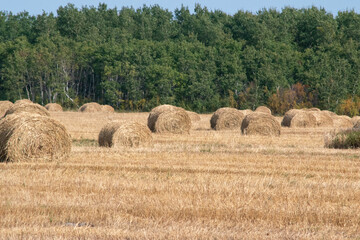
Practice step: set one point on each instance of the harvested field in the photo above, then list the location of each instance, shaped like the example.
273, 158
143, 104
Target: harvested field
203, 185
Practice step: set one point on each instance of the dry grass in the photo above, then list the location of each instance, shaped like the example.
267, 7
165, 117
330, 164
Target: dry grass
204, 185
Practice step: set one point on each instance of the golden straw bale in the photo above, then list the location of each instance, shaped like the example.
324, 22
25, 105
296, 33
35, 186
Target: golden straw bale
129, 134
28, 137
296, 118
22, 101
246, 111
357, 124
155, 112
90, 107
355, 119
107, 108
259, 123
4, 106
193, 116
177, 122
33, 108
342, 121
263, 109
54, 107
226, 119
322, 119
286, 122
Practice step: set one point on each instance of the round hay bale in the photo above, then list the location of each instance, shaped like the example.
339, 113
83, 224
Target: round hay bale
107, 108
193, 116
90, 107
176, 122
53, 107
342, 121
355, 119
296, 118
23, 101
28, 137
4, 106
263, 109
33, 108
357, 124
259, 123
226, 119
286, 122
129, 134
322, 119
155, 112
246, 112
331, 114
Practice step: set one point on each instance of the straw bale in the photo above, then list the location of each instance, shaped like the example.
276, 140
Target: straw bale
259, 123
54, 107
357, 124
322, 119
342, 121
226, 119
296, 118
355, 119
263, 109
4, 106
25, 107
90, 107
124, 134
155, 113
32, 137
193, 116
177, 122
107, 108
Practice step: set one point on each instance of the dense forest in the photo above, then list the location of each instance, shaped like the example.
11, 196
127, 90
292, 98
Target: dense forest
135, 59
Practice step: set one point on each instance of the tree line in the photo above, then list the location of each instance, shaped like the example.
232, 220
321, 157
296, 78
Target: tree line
135, 59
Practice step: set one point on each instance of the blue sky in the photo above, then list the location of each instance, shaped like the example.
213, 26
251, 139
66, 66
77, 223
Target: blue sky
35, 7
